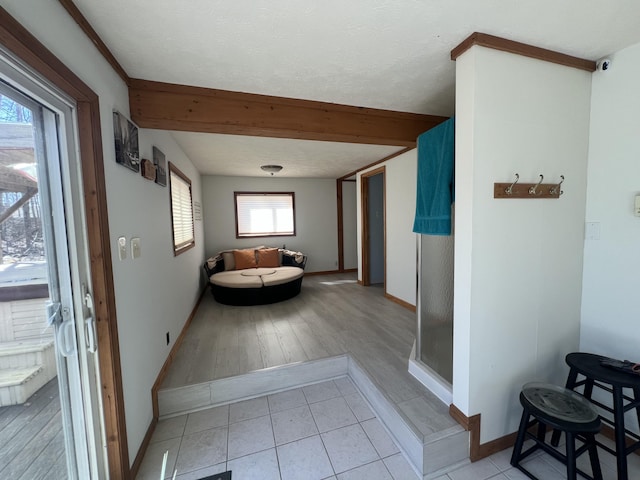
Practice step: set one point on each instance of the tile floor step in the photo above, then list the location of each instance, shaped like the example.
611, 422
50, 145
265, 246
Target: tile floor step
18, 384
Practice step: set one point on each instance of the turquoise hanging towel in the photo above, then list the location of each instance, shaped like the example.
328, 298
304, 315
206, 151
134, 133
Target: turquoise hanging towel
435, 180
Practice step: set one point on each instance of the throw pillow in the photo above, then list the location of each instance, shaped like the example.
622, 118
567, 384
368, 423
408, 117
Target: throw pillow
245, 258
268, 258
229, 261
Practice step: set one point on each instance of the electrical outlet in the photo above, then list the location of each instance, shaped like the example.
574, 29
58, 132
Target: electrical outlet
167, 338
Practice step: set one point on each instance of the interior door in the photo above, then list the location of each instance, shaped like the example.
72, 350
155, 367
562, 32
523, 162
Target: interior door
56, 171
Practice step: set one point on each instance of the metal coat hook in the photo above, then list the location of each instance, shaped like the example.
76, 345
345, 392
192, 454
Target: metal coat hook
532, 190
509, 189
556, 189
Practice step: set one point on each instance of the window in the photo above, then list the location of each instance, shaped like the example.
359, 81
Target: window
261, 214
181, 210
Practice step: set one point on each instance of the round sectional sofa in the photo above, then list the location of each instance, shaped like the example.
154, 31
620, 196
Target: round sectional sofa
255, 276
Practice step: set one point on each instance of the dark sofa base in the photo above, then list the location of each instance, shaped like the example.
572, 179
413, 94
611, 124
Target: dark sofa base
256, 296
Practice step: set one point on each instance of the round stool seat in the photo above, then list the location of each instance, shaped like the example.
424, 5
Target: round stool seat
564, 411
560, 406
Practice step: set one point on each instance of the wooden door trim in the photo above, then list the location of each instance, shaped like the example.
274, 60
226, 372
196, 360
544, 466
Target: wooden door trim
364, 214
25, 46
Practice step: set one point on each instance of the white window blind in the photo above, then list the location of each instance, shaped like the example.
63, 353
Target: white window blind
265, 214
181, 210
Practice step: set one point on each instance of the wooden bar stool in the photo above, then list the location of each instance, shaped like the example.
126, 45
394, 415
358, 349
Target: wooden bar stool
545, 405
595, 374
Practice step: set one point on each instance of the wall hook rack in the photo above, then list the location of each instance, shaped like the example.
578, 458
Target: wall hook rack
509, 189
528, 190
532, 190
556, 189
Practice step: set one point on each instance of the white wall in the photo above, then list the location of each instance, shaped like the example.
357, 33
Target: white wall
609, 291
315, 210
401, 174
136, 207
349, 225
518, 265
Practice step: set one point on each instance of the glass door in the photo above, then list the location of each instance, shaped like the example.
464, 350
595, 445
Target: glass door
47, 343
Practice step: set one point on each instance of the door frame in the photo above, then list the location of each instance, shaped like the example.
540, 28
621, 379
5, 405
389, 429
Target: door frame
364, 210
25, 47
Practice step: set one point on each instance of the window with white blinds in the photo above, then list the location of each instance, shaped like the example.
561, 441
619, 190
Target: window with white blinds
262, 214
181, 210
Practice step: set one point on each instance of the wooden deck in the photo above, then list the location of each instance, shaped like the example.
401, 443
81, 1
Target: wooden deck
32, 439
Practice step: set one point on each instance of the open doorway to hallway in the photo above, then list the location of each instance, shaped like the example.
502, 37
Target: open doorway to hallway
373, 228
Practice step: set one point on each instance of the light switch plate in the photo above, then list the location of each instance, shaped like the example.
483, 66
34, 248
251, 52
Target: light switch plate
135, 247
122, 248
592, 231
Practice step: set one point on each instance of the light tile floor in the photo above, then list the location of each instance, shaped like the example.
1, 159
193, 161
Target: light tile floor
317, 432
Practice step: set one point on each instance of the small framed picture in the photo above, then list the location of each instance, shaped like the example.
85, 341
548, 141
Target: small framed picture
161, 167
148, 170
126, 141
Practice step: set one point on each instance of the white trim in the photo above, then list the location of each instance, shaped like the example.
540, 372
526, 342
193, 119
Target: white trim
430, 379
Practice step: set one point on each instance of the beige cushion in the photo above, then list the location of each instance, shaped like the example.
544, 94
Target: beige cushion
234, 279
229, 261
282, 275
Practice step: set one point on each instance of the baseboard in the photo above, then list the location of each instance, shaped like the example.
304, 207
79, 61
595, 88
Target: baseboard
135, 468
326, 272
400, 302
478, 451
608, 432
171, 356
154, 389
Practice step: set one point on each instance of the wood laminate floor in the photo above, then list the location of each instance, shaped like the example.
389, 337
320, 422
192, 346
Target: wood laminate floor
332, 315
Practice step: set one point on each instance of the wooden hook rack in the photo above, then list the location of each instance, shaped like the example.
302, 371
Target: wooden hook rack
528, 190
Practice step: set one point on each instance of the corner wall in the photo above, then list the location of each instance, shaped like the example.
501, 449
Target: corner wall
609, 291
315, 211
400, 184
518, 262
156, 292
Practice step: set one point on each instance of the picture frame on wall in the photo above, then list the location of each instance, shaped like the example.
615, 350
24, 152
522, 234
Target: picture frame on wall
126, 142
148, 169
160, 162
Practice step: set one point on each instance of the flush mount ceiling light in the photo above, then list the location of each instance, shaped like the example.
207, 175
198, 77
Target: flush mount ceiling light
271, 168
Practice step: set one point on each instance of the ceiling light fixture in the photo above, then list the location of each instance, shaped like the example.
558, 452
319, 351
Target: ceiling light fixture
271, 168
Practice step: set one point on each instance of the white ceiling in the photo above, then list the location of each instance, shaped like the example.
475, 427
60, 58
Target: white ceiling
389, 54
217, 154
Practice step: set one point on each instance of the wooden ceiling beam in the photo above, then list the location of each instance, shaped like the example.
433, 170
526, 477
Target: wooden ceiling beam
179, 107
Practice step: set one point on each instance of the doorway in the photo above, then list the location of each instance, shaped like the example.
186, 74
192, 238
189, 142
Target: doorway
50, 387
373, 228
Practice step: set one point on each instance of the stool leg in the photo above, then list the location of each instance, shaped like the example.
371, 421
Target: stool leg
636, 397
621, 446
593, 458
517, 448
572, 379
571, 456
542, 431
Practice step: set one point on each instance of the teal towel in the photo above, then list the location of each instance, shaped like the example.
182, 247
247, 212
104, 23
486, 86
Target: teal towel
435, 180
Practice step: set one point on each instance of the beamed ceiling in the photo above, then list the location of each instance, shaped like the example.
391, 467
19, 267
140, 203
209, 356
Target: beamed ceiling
347, 63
